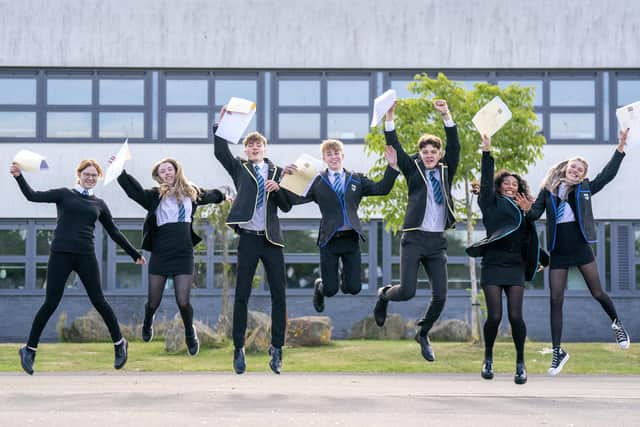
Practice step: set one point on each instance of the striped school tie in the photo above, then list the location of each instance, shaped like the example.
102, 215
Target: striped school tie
181, 212
560, 209
85, 193
337, 185
260, 180
437, 188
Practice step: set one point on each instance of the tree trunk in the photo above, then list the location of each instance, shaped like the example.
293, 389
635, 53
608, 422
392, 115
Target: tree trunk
476, 315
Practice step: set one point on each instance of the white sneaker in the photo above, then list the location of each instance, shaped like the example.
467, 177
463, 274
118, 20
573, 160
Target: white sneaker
622, 337
560, 357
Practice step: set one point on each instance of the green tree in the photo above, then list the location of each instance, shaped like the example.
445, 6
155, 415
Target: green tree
515, 147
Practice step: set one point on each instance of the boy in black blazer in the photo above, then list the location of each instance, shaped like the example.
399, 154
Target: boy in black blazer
338, 193
254, 216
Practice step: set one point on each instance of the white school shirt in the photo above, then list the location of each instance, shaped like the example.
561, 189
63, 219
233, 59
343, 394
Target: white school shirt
168, 209
567, 214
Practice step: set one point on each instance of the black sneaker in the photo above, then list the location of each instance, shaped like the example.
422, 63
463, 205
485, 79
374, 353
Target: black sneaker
147, 325
239, 363
560, 357
380, 310
276, 359
318, 297
487, 369
622, 337
425, 347
193, 345
521, 373
27, 358
121, 354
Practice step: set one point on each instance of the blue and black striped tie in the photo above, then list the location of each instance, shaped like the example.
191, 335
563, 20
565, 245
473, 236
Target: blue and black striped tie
181, 212
85, 193
437, 188
560, 209
337, 185
260, 180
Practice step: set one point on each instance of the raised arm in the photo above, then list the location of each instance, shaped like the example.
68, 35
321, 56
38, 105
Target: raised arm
391, 137
538, 207
222, 152
452, 153
116, 235
610, 170
134, 190
210, 196
487, 190
49, 196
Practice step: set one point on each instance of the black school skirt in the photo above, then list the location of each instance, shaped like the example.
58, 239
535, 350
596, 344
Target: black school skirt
570, 250
172, 252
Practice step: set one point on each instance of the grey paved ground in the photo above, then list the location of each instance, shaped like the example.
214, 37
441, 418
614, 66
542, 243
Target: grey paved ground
260, 399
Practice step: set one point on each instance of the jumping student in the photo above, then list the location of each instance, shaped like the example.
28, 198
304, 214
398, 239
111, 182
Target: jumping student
72, 249
510, 255
338, 193
429, 213
566, 196
168, 234
254, 216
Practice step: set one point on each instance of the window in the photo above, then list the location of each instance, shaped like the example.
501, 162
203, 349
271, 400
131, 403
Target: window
18, 99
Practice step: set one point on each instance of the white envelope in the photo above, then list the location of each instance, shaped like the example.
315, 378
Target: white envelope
117, 166
236, 120
299, 182
381, 105
629, 117
30, 161
492, 117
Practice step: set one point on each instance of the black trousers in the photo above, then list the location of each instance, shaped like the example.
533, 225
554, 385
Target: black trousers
344, 246
60, 266
429, 249
252, 248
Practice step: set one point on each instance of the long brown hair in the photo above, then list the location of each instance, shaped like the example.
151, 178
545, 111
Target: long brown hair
558, 174
181, 187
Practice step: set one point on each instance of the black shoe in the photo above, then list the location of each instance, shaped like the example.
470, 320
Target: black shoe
380, 310
622, 337
239, 364
193, 345
276, 359
425, 347
318, 297
560, 357
27, 357
521, 374
122, 354
147, 325
487, 369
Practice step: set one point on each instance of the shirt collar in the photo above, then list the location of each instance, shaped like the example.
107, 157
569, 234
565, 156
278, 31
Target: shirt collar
259, 165
80, 189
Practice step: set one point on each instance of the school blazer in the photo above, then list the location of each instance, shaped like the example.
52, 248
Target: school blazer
501, 217
579, 198
414, 172
150, 199
246, 183
335, 210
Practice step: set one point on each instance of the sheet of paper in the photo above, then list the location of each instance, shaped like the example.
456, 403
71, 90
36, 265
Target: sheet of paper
299, 182
629, 117
381, 105
492, 117
117, 166
236, 120
30, 161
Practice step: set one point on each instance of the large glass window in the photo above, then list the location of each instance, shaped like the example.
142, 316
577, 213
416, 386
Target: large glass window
187, 92
68, 125
17, 124
121, 92
572, 92
628, 91
17, 91
69, 92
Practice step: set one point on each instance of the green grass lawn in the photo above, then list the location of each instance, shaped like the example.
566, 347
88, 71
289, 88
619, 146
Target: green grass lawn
341, 356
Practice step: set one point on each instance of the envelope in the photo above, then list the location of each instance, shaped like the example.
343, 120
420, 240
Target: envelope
30, 161
117, 166
492, 117
235, 122
300, 181
381, 105
629, 117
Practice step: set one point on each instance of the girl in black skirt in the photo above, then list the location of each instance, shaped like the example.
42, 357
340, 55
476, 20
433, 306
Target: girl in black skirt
168, 234
566, 198
510, 255
72, 249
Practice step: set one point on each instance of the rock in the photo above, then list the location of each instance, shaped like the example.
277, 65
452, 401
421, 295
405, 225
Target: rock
174, 336
393, 329
455, 330
258, 334
309, 331
90, 328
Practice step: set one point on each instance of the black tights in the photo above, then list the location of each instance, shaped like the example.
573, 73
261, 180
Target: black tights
493, 297
558, 283
182, 288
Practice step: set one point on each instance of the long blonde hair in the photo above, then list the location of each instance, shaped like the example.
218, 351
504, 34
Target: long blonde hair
558, 175
181, 187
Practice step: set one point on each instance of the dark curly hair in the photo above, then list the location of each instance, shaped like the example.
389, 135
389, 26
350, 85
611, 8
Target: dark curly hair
523, 187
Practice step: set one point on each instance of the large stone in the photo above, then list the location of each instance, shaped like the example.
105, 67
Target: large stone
451, 330
90, 328
393, 329
258, 334
174, 341
308, 331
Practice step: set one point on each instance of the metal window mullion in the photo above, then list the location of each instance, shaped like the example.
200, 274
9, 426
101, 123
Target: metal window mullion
324, 131
162, 107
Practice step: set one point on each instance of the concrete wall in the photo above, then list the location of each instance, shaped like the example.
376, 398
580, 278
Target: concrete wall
320, 34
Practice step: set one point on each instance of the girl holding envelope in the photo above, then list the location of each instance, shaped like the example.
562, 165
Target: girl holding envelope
566, 198
168, 234
73, 249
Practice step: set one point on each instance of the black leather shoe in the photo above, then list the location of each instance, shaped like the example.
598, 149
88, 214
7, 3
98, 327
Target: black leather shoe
239, 363
193, 345
122, 354
27, 357
380, 310
521, 374
487, 370
318, 297
425, 347
276, 359
147, 325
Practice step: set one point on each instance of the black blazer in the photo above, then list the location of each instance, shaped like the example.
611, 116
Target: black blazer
150, 199
246, 183
579, 198
333, 210
501, 217
413, 170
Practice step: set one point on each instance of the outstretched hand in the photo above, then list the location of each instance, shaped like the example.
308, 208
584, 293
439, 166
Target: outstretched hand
289, 169
392, 156
14, 169
141, 261
523, 202
622, 140
486, 143
270, 185
390, 114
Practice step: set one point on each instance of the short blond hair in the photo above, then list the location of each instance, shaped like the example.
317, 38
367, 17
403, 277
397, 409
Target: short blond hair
331, 144
254, 136
88, 163
428, 139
